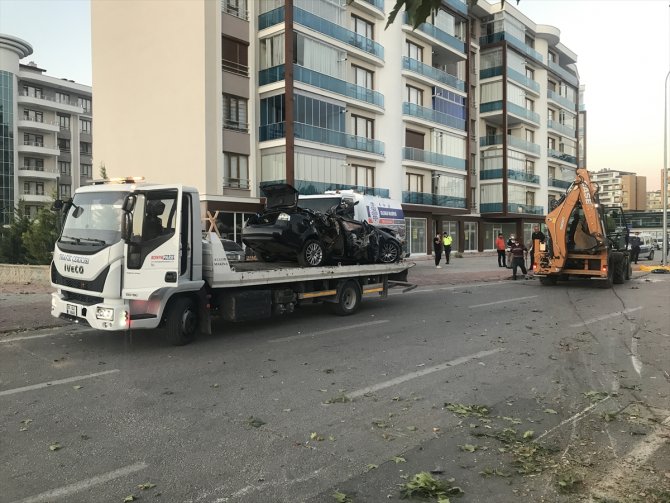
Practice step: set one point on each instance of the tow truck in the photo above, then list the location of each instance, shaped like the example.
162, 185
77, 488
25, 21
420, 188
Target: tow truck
133, 255
585, 239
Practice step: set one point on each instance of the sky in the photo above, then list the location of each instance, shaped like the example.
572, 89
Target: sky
622, 46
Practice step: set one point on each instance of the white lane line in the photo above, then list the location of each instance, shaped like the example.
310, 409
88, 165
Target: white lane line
84, 484
49, 333
574, 418
605, 317
329, 331
53, 383
13, 339
634, 357
502, 301
453, 287
422, 372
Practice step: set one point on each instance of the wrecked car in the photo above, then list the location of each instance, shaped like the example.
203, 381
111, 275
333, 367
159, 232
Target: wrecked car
285, 231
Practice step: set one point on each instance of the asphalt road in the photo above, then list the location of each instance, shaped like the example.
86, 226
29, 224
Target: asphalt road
299, 407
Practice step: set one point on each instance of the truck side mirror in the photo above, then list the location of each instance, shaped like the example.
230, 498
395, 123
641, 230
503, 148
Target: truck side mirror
127, 226
129, 203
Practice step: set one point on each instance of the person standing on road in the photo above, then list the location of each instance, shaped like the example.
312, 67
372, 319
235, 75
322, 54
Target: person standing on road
519, 251
500, 246
635, 243
537, 234
510, 242
437, 249
447, 240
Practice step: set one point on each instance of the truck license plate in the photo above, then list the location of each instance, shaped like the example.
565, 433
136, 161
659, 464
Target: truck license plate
72, 310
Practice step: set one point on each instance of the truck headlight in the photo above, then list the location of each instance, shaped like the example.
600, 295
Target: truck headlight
284, 216
104, 313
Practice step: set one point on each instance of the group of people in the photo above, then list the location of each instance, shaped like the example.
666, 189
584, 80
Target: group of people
517, 250
442, 243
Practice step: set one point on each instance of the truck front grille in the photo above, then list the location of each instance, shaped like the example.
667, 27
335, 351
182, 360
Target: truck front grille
94, 285
86, 300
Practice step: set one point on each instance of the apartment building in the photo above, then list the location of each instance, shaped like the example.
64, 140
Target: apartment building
471, 120
46, 134
622, 188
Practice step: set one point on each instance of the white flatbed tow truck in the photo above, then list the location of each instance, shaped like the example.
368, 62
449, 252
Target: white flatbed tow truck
132, 255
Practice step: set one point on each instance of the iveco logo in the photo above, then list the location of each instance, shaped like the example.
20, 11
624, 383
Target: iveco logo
77, 269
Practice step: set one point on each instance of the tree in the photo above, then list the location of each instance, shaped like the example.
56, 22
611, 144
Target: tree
103, 171
40, 237
12, 248
419, 10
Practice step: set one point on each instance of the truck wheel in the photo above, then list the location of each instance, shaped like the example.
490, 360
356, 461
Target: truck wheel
181, 324
312, 254
628, 269
548, 280
348, 299
618, 268
607, 283
390, 252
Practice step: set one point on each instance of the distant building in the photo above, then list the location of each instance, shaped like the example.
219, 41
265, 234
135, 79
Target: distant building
655, 200
622, 188
45, 133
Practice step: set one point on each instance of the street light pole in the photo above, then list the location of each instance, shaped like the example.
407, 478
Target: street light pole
664, 178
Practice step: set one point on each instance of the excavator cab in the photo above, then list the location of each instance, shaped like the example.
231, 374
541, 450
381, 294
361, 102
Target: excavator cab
616, 227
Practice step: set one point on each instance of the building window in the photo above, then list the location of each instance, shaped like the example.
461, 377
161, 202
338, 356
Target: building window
36, 140
363, 127
235, 58
530, 198
530, 167
414, 182
414, 51
63, 145
234, 113
415, 95
84, 103
85, 126
65, 191
363, 77
550, 114
551, 143
85, 170
530, 136
33, 92
235, 171
33, 164
33, 115
237, 8
530, 73
39, 188
64, 168
85, 148
26, 187
363, 27
64, 121
63, 98
530, 104
364, 176
551, 57
272, 51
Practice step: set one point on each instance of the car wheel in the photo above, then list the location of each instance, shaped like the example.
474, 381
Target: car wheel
390, 252
348, 300
651, 255
181, 322
312, 254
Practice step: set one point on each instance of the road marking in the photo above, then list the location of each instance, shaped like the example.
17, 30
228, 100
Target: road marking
84, 484
634, 357
13, 339
329, 331
49, 333
605, 317
574, 418
53, 383
422, 372
503, 301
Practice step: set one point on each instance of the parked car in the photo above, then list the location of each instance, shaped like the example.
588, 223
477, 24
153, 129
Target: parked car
286, 231
647, 247
234, 252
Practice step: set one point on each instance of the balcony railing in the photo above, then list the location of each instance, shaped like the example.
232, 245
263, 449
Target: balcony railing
512, 174
562, 184
428, 71
321, 135
237, 8
308, 188
489, 140
442, 160
511, 208
495, 106
379, 4
53, 100
234, 67
523, 80
337, 86
565, 74
513, 41
488, 73
561, 128
236, 183
39, 121
337, 32
562, 156
458, 6
433, 199
433, 115
437, 34
235, 125
270, 75
271, 18
561, 99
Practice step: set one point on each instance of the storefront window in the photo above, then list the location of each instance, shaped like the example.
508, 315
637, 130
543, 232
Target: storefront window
470, 236
452, 229
416, 232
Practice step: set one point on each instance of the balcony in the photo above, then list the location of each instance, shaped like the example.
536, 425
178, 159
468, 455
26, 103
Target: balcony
308, 188
561, 100
237, 9
512, 108
36, 198
433, 199
374, 7
236, 183
234, 125
512, 174
562, 156
523, 80
561, 184
429, 72
511, 208
459, 6
439, 35
321, 135
234, 67
561, 128
270, 75
488, 73
34, 147
38, 172
342, 87
428, 114
320, 25
564, 74
433, 158
50, 103
38, 125
271, 18
487, 141
513, 41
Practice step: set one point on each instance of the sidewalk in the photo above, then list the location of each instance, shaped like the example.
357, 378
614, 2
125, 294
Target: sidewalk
470, 268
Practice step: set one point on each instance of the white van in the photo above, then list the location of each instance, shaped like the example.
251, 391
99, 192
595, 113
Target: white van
647, 247
378, 211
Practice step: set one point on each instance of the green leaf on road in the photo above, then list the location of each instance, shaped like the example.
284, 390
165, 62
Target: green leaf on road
550, 411
595, 396
529, 434
370, 467
399, 459
424, 485
341, 497
55, 446
316, 436
255, 422
146, 485
468, 447
77, 387
467, 410
129, 498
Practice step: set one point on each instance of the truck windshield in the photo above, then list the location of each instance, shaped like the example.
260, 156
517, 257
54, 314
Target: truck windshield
94, 219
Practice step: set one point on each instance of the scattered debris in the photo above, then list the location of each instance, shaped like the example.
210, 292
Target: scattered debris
341, 497
255, 422
467, 410
424, 485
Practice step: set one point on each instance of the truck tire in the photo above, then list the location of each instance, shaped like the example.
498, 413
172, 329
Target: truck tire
607, 283
390, 253
312, 254
548, 280
348, 298
618, 268
181, 324
628, 268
